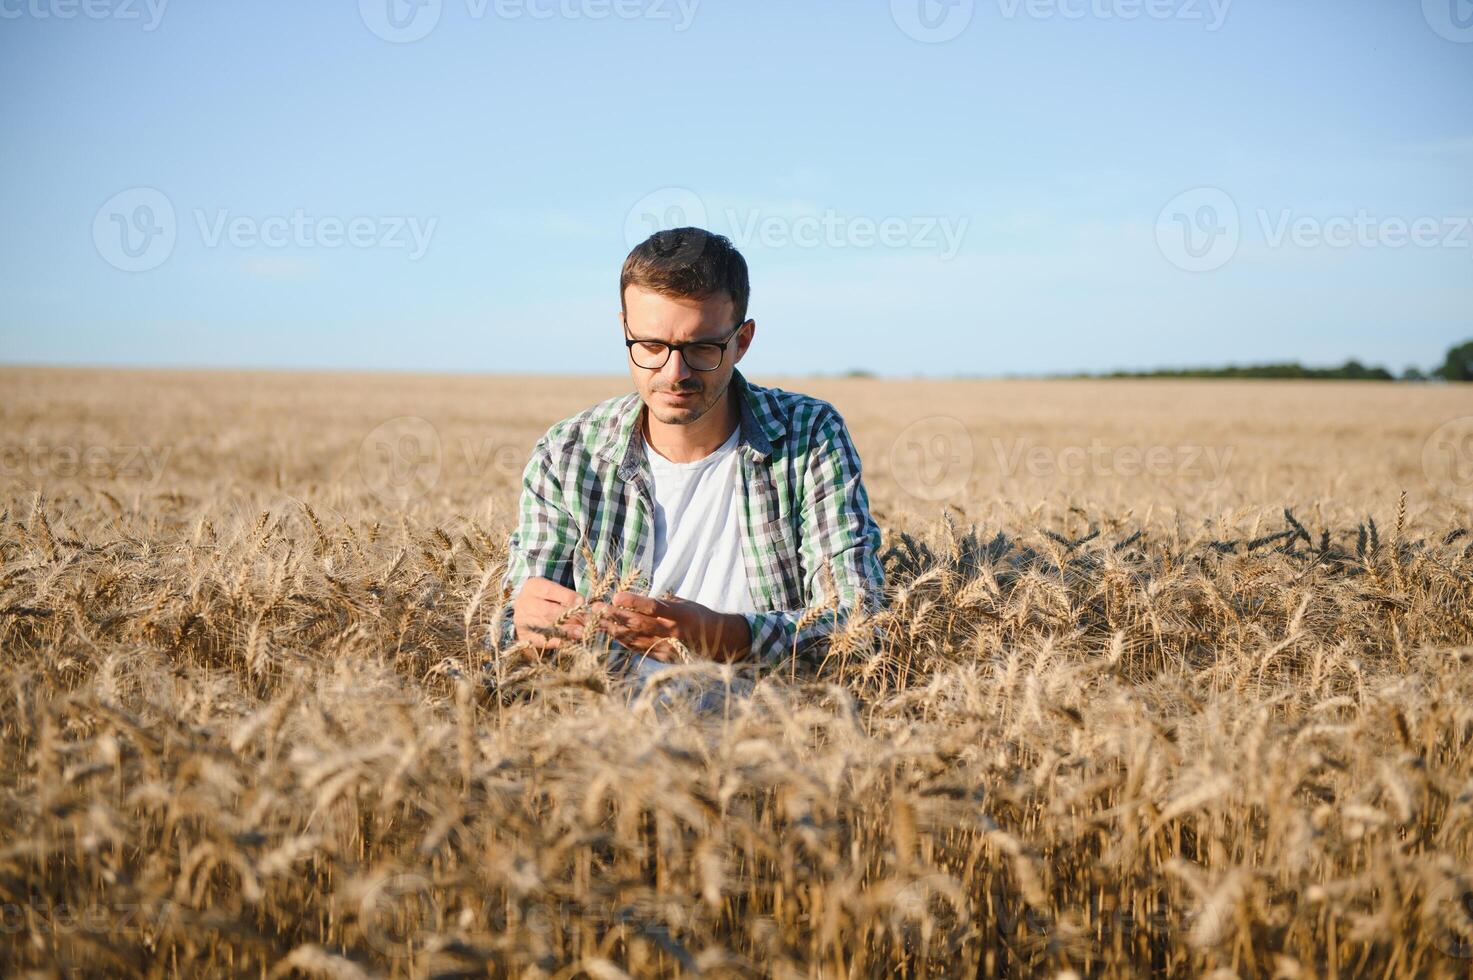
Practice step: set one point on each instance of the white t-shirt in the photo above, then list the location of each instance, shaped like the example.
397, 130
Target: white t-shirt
698, 529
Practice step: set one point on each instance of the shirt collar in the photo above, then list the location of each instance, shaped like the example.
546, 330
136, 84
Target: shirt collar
621, 442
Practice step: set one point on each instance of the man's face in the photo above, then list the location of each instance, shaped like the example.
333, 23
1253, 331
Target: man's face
675, 394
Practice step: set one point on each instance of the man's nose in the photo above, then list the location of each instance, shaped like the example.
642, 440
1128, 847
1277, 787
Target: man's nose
676, 369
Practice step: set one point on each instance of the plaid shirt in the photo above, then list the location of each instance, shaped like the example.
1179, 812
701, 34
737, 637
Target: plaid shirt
803, 506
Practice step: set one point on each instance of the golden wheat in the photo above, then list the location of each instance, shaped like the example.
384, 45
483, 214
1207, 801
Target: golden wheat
1104, 725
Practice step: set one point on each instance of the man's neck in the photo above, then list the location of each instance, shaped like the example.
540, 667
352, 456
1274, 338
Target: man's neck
688, 443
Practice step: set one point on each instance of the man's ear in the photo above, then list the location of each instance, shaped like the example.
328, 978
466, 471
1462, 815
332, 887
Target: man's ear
744, 339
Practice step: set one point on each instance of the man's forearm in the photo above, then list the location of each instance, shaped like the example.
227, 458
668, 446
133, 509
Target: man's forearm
735, 644
775, 634
723, 637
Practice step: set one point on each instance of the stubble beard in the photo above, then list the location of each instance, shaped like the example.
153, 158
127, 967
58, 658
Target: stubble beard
685, 416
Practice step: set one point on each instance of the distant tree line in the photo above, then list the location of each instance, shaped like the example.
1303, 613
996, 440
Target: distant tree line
1457, 366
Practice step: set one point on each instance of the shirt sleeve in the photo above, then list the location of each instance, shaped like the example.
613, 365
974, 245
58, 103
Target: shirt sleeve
541, 545
837, 531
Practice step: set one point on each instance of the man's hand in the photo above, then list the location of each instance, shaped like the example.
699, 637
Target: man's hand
539, 604
646, 625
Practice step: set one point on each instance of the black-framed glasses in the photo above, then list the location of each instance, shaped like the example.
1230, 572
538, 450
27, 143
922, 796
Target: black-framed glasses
700, 355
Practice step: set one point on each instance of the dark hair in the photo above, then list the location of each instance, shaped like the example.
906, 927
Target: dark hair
688, 262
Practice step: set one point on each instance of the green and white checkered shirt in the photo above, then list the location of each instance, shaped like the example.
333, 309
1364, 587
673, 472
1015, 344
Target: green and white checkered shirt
803, 506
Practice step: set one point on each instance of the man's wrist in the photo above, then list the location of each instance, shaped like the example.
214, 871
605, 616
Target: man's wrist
736, 637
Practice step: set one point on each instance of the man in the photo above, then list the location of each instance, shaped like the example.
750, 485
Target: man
739, 506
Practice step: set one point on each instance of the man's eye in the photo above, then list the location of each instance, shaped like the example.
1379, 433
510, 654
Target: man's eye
652, 349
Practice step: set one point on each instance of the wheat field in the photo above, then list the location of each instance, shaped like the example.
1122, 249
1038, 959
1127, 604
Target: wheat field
1177, 681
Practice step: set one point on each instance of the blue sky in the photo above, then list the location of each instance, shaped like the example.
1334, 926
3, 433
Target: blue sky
1001, 186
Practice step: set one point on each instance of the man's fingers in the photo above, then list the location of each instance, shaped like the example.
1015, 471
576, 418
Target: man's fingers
546, 588
546, 613
539, 639
543, 616
635, 622
625, 614
636, 639
654, 626
539, 607
624, 634
652, 647
630, 619
638, 603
